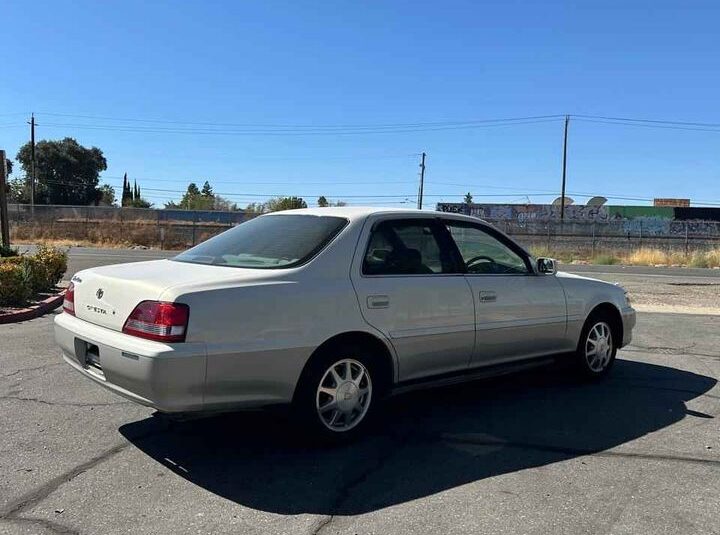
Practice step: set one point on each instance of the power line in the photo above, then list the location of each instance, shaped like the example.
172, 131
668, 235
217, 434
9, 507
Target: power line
159, 191
308, 126
647, 125
286, 132
658, 121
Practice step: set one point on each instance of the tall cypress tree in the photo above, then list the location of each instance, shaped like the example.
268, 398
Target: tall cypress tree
126, 195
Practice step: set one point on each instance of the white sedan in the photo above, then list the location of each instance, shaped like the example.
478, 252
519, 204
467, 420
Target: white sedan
332, 309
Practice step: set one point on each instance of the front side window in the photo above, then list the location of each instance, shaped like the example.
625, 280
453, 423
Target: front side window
406, 247
483, 253
267, 242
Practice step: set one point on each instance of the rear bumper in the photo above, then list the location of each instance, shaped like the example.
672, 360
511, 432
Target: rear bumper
167, 377
628, 320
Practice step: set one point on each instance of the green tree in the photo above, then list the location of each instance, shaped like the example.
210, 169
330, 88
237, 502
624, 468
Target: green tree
67, 172
107, 195
468, 198
285, 203
196, 199
140, 203
19, 191
193, 199
223, 204
322, 202
127, 197
255, 208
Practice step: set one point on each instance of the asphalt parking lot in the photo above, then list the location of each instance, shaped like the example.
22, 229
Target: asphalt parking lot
533, 453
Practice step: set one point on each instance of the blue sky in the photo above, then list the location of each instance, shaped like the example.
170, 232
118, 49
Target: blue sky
266, 64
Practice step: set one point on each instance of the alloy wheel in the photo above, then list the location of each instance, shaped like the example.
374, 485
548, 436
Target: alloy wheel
343, 395
599, 347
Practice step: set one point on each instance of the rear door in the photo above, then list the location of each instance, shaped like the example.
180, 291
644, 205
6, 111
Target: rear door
409, 288
519, 313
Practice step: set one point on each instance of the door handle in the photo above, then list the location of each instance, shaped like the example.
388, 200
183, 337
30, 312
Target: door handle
378, 301
487, 296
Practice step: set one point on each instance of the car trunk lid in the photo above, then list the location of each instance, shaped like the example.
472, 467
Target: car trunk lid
107, 295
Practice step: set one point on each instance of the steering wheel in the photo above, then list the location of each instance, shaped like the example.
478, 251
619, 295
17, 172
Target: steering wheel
476, 259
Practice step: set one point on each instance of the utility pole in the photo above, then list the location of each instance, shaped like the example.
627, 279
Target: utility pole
564, 170
32, 159
422, 180
4, 228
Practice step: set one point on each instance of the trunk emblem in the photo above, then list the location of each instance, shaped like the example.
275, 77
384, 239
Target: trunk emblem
99, 294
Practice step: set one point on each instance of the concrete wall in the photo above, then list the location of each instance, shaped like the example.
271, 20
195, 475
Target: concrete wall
580, 213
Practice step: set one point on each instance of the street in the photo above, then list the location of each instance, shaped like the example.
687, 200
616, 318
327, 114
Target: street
531, 453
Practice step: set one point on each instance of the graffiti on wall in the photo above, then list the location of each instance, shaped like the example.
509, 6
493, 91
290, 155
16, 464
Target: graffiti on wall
631, 220
646, 219
528, 212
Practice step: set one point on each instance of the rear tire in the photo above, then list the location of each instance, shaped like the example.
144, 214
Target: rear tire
597, 347
339, 393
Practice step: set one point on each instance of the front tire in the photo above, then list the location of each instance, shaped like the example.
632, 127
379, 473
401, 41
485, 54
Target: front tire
596, 350
339, 393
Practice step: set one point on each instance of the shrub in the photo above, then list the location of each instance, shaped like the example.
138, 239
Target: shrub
35, 274
605, 259
677, 258
14, 284
647, 257
41, 271
7, 251
713, 258
53, 261
698, 260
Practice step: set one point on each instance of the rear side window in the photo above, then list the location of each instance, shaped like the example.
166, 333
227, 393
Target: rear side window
406, 247
267, 242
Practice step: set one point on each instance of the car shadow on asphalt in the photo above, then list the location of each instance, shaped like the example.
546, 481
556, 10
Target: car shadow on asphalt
427, 442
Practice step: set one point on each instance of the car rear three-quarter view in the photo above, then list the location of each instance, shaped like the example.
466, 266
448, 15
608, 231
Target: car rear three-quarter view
331, 310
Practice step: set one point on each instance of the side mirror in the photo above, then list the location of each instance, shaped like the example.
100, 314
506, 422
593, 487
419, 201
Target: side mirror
546, 265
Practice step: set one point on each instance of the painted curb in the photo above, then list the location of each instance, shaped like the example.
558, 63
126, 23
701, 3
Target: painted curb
43, 307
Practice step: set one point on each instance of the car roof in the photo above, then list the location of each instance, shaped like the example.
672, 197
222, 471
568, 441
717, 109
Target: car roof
361, 212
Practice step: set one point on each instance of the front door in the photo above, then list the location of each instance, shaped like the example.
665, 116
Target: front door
519, 313
409, 288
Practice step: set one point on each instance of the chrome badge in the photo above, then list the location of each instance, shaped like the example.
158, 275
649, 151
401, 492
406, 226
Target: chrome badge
99, 294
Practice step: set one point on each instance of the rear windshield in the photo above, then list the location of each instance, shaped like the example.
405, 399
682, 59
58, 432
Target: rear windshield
267, 242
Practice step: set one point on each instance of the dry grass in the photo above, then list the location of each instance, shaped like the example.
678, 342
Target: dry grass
713, 258
169, 235
656, 257
640, 257
57, 242
605, 259
647, 257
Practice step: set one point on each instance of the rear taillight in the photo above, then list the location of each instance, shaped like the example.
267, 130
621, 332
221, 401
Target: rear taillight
69, 301
156, 320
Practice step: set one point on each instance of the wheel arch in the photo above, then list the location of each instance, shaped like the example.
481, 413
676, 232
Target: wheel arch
614, 315
386, 359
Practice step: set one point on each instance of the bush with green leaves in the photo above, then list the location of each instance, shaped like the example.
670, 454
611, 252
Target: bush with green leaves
54, 261
14, 284
26, 275
35, 273
7, 251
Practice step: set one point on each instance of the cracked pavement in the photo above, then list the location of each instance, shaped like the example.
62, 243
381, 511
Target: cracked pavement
531, 453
